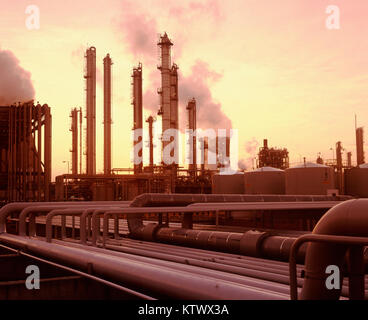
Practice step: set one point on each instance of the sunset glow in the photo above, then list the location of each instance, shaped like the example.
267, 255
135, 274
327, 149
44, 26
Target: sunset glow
270, 69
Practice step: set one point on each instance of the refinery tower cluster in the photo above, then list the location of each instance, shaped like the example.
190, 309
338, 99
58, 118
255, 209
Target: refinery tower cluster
153, 177
26, 151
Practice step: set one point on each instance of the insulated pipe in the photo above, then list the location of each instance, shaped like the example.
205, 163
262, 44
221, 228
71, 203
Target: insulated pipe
346, 219
161, 280
221, 258
135, 222
180, 263
250, 243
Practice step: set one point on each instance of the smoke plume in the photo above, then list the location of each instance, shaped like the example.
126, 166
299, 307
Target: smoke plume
15, 82
251, 148
138, 30
197, 85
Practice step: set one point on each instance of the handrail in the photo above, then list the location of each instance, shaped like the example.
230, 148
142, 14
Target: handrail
342, 240
8, 209
59, 212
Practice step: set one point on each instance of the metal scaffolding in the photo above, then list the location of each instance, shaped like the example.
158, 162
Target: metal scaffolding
25, 146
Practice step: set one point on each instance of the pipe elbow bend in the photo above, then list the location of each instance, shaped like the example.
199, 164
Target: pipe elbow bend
349, 218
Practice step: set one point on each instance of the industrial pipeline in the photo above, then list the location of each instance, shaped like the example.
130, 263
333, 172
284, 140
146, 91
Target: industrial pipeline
343, 219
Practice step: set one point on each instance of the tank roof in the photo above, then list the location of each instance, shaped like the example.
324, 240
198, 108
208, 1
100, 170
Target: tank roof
227, 173
309, 165
262, 169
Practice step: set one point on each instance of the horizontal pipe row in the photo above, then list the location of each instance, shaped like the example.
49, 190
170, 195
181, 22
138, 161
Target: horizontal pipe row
163, 281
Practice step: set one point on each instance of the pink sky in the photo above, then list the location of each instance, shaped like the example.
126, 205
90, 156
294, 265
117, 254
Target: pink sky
279, 73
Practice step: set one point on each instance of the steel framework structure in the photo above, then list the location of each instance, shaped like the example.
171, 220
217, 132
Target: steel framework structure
25, 146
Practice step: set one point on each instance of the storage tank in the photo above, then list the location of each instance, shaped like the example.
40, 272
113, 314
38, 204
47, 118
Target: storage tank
356, 181
265, 180
228, 183
309, 178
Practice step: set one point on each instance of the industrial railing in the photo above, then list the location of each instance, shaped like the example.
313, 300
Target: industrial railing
251, 243
356, 262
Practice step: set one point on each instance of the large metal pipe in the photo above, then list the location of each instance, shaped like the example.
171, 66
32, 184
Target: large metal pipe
250, 243
135, 222
163, 281
346, 219
182, 264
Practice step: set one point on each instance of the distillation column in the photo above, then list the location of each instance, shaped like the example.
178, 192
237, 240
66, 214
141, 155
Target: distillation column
223, 150
137, 103
360, 145
80, 140
339, 166
174, 117
349, 159
90, 77
150, 121
192, 123
48, 150
165, 68
107, 114
74, 130
168, 103
169, 88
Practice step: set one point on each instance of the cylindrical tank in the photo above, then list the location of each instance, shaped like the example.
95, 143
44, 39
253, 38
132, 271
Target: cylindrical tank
309, 178
356, 181
228, 183
265, 180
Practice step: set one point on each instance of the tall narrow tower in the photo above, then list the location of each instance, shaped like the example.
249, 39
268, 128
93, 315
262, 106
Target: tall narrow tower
339, 150
150, 121
90, 77
74, 130
192, 124
107, 114
169, 88
174, 99
223, 150
360, 145
349, 159
80, 140
137, 113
